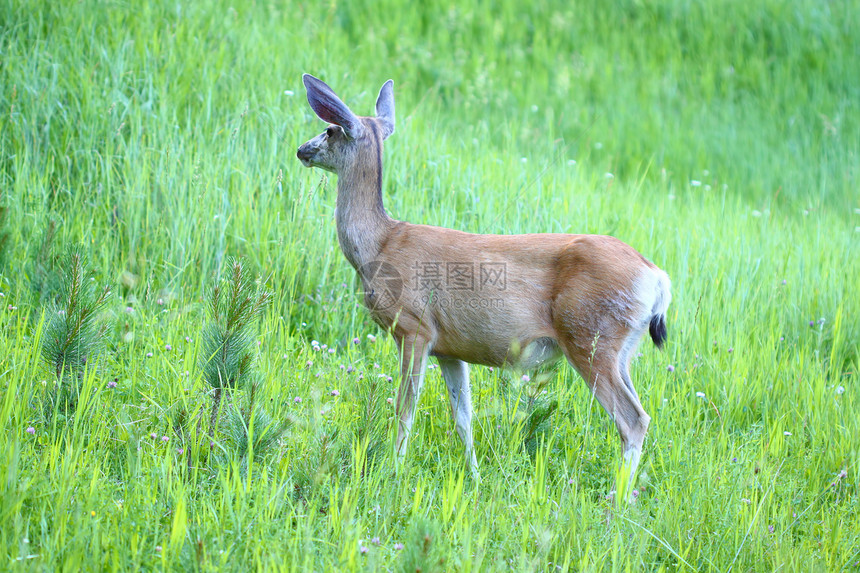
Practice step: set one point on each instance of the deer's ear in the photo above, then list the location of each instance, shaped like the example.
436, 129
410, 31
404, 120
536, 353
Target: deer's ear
330, 108
385, 108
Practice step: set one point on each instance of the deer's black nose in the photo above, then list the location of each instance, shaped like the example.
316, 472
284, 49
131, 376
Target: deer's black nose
305, 155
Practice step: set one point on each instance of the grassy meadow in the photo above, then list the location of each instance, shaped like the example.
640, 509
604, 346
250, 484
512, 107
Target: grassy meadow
157, 139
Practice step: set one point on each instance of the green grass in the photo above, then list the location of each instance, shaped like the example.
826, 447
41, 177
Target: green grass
160, 140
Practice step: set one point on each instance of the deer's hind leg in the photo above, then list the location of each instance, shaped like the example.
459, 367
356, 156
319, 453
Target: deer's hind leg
603, 376
601, 358
456, 375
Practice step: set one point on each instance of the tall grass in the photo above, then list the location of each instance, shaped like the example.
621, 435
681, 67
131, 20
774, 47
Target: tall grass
720, 139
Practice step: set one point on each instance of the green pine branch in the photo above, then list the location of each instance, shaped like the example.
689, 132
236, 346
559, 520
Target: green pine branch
234, 303
74, 333
228, 337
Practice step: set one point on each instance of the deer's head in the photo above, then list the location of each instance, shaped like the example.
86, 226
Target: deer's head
349, 139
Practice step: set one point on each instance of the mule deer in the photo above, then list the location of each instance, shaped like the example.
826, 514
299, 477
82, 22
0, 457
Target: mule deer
496, 300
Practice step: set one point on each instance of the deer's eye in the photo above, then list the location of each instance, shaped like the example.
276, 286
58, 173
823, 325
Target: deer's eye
331, 131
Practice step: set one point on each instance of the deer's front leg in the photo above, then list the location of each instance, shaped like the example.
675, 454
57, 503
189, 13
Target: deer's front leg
413, 362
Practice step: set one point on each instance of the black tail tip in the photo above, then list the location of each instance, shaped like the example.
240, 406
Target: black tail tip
657, 329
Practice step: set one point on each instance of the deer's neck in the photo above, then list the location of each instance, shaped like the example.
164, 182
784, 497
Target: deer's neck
362, 223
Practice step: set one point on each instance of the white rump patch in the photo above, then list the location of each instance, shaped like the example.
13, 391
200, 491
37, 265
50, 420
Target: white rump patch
652, 291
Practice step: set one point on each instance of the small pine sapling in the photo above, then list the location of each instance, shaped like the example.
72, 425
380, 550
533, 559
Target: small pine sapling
234, 303
74, 332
